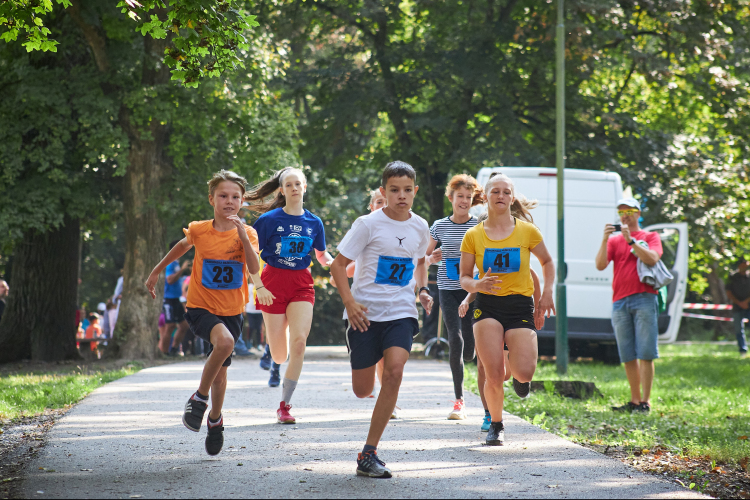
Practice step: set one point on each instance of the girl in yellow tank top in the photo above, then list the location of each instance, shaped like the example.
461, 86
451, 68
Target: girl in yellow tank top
505, 312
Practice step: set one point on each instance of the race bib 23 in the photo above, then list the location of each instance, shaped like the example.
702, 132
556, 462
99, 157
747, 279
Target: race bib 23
222, 274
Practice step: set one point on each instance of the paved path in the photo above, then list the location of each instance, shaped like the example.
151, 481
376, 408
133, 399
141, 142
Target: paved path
126, 440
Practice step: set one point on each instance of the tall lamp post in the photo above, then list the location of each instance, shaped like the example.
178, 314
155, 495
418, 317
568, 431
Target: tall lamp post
561, 321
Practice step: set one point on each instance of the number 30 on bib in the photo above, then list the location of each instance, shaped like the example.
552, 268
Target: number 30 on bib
395, 271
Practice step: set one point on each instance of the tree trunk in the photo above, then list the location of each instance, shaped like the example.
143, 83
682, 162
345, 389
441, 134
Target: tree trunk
716, 285
39, 321
145, 236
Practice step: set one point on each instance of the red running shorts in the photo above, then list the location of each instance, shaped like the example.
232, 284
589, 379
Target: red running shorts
287, 286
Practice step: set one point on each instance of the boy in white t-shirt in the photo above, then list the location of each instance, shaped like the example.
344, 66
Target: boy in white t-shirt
381, 315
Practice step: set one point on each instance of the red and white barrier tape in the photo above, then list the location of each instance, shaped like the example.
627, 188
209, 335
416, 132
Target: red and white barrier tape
713, 307
704, 316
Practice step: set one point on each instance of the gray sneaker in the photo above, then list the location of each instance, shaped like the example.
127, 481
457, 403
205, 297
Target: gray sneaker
369, 465
496, 434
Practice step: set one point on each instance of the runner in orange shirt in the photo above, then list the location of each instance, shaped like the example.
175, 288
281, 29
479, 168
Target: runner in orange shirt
225, 256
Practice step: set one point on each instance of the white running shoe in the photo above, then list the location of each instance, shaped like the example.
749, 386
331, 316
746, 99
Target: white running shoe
395, 413
458, 412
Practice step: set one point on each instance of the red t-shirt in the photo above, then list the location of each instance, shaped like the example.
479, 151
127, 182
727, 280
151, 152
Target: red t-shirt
626, 282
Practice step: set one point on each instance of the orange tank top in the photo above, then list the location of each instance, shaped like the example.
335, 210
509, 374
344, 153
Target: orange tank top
218, 282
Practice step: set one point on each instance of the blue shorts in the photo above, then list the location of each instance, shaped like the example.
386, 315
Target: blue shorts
366, 348
635, 321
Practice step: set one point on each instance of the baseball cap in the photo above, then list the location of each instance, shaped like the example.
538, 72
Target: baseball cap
630, 202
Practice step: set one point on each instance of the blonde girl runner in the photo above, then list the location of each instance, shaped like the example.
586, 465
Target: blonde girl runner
287, 233
500, 248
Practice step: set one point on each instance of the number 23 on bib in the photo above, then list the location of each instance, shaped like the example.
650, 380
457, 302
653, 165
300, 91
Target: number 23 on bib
395, 271
222, 274
502, 260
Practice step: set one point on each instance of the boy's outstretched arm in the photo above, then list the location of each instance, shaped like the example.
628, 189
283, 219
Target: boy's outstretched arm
177, 251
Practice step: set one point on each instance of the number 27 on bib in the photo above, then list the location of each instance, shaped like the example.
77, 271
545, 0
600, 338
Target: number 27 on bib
395, 271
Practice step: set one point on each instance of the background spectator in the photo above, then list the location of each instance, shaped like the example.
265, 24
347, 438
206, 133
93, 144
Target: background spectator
4, 290
635, 307
738, 291
94, 331
116, 299
254, 322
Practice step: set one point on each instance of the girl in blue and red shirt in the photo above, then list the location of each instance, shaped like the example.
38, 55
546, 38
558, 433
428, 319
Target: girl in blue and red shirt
287, 234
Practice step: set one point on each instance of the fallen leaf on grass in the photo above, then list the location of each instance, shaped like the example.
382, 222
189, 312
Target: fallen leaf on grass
742, 438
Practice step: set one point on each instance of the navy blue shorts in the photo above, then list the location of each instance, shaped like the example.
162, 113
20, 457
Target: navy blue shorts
367, 348
201, 323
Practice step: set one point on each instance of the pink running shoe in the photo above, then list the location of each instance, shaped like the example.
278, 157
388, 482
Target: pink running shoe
458, 412
283, 416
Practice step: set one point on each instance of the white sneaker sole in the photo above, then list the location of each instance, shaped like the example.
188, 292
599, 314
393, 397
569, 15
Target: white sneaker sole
457, 416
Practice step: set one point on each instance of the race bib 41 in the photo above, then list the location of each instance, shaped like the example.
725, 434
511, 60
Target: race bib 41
502, 260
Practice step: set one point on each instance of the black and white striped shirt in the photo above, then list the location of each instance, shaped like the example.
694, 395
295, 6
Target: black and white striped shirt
450, 235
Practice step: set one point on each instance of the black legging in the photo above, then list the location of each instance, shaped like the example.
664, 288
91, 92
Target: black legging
460, 335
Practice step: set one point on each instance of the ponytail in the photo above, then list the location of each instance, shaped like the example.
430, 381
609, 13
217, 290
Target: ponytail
259, 193
521, 206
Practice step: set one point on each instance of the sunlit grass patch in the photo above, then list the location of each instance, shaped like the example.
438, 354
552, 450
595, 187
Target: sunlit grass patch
31, 394
700, 404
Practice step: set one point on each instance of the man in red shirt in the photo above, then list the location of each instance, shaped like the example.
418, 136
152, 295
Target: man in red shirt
635, 309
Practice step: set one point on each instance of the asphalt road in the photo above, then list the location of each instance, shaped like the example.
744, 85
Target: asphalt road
126, 440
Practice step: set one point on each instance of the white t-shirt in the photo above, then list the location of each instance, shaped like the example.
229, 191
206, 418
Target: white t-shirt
386, 252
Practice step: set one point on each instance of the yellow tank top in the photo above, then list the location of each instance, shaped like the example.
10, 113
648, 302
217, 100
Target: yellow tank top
507, 258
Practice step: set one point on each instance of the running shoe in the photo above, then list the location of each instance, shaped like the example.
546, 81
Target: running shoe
486, 423
369, 465
283, 416
629, 407
265, 360
643, 408
215, 437
496, 434
522, 389
275, 378
395, 414
192, 418
458, 412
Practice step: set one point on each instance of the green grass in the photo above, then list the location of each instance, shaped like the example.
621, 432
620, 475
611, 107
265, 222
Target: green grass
31, 394
700, 404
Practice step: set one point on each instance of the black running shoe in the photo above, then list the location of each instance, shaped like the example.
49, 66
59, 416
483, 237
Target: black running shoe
496, 434
628, 407
522, 389
369, 465
215, 439
643, 408
193, 416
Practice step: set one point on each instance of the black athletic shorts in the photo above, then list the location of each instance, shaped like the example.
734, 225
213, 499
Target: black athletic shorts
202, 322
512, 311
174, 311
367, 348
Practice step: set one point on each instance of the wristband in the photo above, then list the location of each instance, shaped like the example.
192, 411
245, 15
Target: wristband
425, 289
632, 242
259, 288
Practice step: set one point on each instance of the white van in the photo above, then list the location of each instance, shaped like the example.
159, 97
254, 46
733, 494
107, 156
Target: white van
590, 203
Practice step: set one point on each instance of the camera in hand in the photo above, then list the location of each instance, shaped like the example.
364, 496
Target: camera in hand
618, 227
